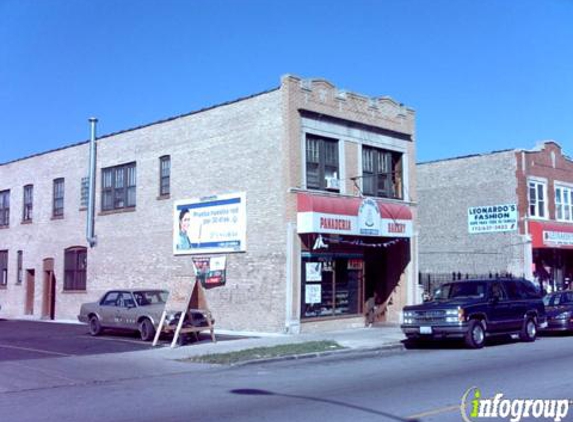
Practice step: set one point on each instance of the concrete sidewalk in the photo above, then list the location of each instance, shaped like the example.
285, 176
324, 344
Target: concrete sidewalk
355, 339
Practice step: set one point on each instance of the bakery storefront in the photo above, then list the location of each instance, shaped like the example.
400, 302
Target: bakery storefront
552, 245
354, 255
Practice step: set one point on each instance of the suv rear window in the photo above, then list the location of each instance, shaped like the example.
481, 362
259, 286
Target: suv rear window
520, 289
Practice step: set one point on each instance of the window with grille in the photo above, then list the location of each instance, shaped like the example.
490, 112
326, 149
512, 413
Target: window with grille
3, 268
5, 208
118, 187
28, 203
164, 175
382, 173
564, 203
58, 198
75, 266
322, 170
536, 198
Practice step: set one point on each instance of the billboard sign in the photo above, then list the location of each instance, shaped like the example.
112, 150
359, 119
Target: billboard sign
214, 224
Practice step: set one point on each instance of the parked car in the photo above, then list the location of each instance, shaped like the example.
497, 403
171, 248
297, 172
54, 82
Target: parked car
559, 308
474, 309
136, 310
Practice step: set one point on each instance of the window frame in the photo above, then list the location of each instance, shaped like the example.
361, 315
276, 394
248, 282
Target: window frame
119, 187
28, 203
164, 176
3, 268
5, 208
373, 178
19, 267
324, 157
564, 207
58, 201
75, 271
533, 209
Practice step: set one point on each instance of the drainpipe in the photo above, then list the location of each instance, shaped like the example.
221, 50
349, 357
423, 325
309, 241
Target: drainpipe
90, 223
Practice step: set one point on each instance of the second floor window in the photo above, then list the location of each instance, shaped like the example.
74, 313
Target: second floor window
536, 197
5, 208
28, 203
381, 173
118, 187
322, 170
58, 198
84, 191
564, 203
164, 175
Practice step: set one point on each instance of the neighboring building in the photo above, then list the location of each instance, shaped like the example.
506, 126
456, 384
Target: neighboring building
306, 190
507, 212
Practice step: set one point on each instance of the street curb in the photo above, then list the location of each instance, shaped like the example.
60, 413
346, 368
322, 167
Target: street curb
363, 352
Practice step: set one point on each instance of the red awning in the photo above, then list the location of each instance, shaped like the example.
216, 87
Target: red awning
551, 235
349, 206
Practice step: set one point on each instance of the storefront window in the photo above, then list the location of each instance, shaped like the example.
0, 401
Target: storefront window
331, 287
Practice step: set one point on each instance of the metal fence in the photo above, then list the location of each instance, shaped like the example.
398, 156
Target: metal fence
431, 281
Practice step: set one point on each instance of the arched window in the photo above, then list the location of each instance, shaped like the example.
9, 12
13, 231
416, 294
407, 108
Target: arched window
75, 266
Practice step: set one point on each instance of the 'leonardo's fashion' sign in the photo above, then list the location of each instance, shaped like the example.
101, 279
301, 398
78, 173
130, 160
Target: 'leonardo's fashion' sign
492, 218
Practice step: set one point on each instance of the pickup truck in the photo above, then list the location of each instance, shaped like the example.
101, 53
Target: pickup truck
475, 309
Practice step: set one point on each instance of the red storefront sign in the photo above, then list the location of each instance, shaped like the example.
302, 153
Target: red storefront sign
352, 216
551, 235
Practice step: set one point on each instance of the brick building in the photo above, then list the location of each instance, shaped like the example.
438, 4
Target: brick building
306, 190
503, 212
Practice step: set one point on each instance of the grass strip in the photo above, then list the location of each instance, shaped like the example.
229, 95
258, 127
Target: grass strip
267, 352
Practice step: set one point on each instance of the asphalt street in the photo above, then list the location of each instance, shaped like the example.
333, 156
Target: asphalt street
21, 340
425, 384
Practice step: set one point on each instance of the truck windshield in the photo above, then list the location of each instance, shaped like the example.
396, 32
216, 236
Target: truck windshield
461, 289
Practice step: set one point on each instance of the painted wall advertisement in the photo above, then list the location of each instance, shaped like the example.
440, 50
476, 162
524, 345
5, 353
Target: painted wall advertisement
214, 224
492, 218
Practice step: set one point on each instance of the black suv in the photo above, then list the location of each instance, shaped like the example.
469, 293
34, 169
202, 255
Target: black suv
474, 309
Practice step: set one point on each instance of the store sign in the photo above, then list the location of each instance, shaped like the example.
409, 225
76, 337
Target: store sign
211, 272
492, 218
216, 224
353, 216
557, 238
369, 218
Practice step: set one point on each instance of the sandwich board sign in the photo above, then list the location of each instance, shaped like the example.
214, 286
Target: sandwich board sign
183, 297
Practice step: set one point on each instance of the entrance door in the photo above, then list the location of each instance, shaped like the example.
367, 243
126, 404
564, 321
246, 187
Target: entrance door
49, 295
30, 291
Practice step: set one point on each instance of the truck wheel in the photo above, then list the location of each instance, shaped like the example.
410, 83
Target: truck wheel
95, 326
475, 337
529, 330
146, 330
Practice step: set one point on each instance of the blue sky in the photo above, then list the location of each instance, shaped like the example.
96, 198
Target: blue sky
482, 75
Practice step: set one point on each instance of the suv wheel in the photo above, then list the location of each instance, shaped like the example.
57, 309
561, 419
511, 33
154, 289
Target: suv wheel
529, 330
475, 337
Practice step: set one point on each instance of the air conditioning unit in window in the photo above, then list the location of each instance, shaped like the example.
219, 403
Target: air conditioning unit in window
332, 183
